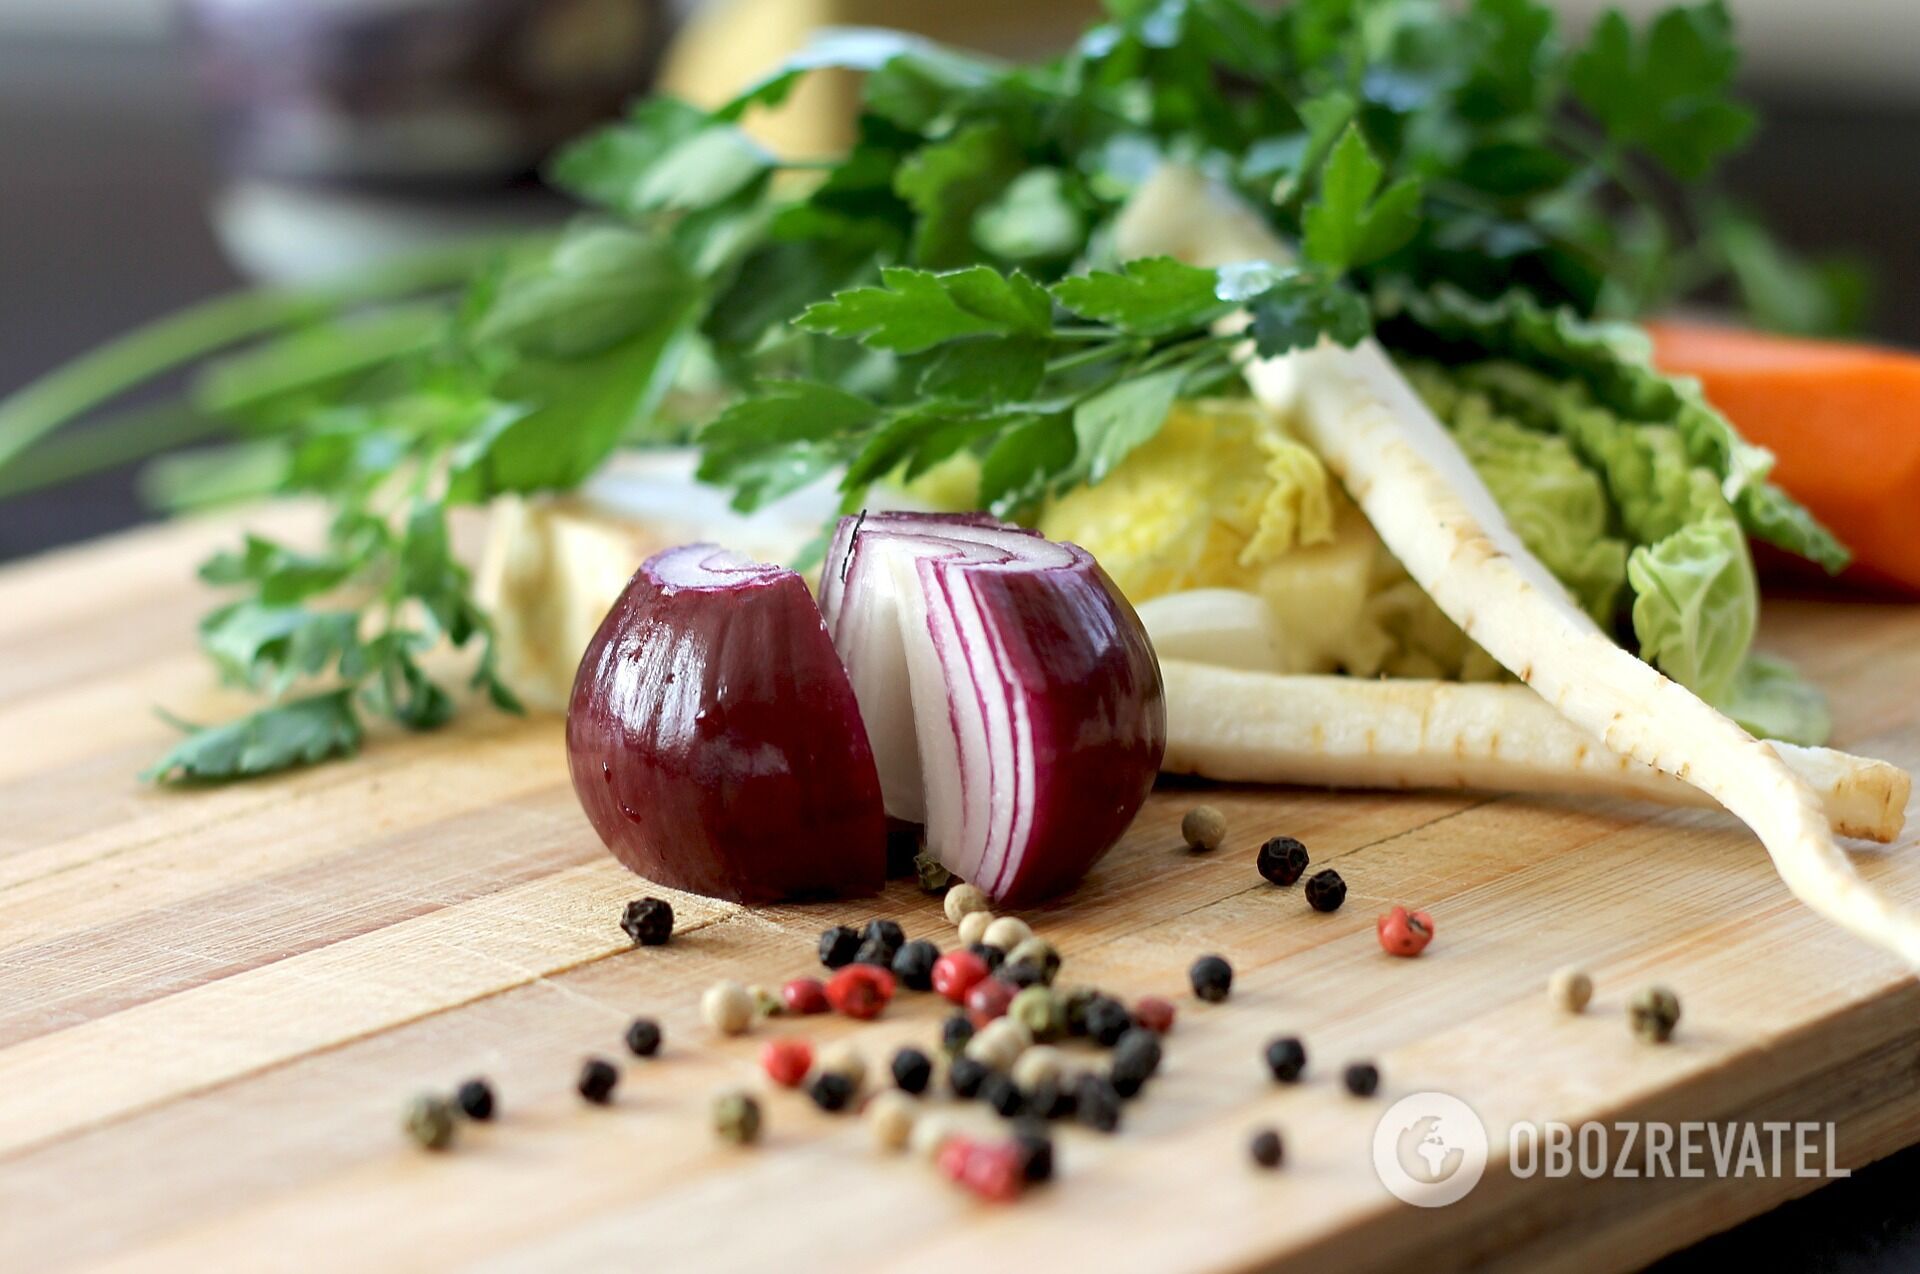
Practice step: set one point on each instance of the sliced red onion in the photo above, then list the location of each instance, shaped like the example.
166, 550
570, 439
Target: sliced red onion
714, 739
1030, 721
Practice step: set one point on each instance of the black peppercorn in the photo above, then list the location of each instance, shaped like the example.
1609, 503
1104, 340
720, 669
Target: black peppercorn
1265, 1148
1362, 1079
991, 955
1036, 1154
1003, 1095
1287, 1059
1212, 978
648, 921
878, 954
597, 1080
1135, 1058
966, 1075
1282, 860
831, 1091
1050, 1099
955, 1032
1326, 891
913, 964
911, 1070
1022, 974
1107, 1020
475, 1099
1096, 1104
887, 933
1074, 1004
643, 1037
837, 947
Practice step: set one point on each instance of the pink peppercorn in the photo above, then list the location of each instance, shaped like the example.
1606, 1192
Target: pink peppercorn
786, 1060
955, 973
860, 990
987, 1000
1154, 1014
953, 1157
995, 1172
805, 995
1405, 933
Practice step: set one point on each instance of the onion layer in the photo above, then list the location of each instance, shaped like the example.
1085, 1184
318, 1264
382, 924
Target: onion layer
714, 740
1012, 695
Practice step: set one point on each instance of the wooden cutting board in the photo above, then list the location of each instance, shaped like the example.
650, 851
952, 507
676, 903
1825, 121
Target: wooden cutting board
214, 1004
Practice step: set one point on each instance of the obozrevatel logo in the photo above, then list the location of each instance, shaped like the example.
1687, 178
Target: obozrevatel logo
1430, 1150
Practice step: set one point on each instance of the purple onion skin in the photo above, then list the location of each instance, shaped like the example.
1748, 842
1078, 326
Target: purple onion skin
715, 745
1099, 725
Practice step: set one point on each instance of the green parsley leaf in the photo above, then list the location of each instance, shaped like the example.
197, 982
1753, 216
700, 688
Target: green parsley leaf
914, 310
1346, 226
1111, 423
299, 732
947, 183
783, 438
1148, 297
1666, 93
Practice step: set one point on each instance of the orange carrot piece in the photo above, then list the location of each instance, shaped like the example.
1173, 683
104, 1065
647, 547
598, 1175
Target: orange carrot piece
1843, 421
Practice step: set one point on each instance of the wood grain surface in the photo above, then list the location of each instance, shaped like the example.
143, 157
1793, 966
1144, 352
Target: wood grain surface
213, 1004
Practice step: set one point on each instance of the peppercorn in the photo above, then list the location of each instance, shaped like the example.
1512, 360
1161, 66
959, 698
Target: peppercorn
1096, 1104
1135, 1060
954, 1034
1362, 1079
727, 1008
1074, 1003
1571, 989
1038, 1009
1204, 828
1154, 1014
953, 1156
860, 991
786, 1060
875, 953
831, 1091
1051, 1099
1036, 1154
1282, 860
838, 946
475, 1100
1404, 933
1036, 1065
597, 1080
1265, 1148
1021, 974
973, 927
913, 964
1107, 1020
991, 956
1006, 932
805, 995
648, 921
1040, 953
931, 872
643, 1037
765, 1002
931, 1132
966, 1075
887, 933
1001, 1093
1287, 1059
988, 1000
962, 901
911, 1070
1326, 891
1653, 1013
994, 1172
1212, 978
956, 973
844, 1060
429, 1121
736, 1118
891, 1116
1000, 1043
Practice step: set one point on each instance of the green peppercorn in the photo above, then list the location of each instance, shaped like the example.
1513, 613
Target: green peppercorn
1362, 1079
429, 1121
736, 1118
643, 1037
475, 1099
766, 1003
648, 921
1266, 1148
1038, 1009
1039, 953
931, 872
1282, 860
1653, 1013
597, 1080
1212, 978
1326, 891
1204, 828
1287, 1059
1074, 1003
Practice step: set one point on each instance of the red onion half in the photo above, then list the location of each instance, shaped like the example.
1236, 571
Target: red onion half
714, 739
1012, 696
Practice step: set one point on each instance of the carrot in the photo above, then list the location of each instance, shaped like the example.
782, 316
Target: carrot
1842, 420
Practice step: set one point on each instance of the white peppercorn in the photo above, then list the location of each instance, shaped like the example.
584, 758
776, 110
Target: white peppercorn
1570, 989
999, 1043
963, 900
973, 927
1007, 932
930, 1132
1038, 1065
891, 1115
728, 1007
1203, 828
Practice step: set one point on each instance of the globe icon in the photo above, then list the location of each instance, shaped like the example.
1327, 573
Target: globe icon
1424, 1153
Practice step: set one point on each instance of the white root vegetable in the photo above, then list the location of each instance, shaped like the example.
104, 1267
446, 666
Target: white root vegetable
1262, 727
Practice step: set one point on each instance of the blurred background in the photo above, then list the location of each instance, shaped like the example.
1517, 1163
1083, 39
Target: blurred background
154, 153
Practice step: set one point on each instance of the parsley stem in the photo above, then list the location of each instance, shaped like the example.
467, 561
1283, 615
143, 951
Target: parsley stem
1093, 354
120, 439
183, 337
